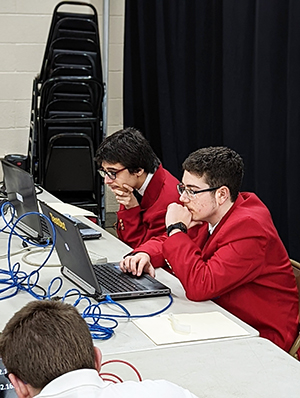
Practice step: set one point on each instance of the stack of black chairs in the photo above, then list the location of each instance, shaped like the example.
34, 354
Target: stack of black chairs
66, 114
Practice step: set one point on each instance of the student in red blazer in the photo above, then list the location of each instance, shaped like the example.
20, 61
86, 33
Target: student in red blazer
223, 246
142, 187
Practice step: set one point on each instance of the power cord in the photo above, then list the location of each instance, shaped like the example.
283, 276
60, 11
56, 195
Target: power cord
34, 251
113, 377
25, 249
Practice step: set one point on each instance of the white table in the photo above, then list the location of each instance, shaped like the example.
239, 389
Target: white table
229, 367
243, 368
127, 336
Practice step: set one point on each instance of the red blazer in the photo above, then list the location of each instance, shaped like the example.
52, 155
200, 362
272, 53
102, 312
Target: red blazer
137, 225
243, 267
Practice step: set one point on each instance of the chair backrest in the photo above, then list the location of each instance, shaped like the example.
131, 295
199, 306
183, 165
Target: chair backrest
74, 59
60, 129
76, 27
66, 87
296, 269
70, 164
84, 14
69, 108
70, 71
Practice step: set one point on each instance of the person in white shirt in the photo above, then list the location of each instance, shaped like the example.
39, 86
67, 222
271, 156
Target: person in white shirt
48, 351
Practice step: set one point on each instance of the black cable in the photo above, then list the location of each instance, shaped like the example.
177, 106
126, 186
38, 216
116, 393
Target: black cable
35, 286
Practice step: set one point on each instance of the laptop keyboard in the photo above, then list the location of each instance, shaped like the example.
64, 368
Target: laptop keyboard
114, 281
45, 229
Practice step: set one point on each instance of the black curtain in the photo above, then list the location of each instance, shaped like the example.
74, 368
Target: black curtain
212, 72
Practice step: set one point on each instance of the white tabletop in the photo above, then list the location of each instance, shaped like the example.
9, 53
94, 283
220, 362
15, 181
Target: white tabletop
127, 337
233, 366
244, 368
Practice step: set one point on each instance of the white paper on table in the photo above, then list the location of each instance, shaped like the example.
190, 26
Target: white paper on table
177, 328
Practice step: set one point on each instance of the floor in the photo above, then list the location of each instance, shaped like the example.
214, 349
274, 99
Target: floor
110, 219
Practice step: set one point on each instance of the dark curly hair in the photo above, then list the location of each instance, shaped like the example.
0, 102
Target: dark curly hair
219, 166
130, 148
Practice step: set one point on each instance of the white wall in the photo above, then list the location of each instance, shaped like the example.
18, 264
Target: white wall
24, 26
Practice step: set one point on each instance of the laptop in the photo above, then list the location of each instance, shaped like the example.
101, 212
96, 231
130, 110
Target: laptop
98, 280
6, 388
21, 193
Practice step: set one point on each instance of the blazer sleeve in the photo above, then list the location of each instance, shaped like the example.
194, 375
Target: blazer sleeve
134, 230
153, 247
130, 227
232, 258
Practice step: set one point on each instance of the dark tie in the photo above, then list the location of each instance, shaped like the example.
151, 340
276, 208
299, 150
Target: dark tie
137, 195
208, 236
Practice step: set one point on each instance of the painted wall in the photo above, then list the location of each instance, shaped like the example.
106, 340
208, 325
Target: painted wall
24, 27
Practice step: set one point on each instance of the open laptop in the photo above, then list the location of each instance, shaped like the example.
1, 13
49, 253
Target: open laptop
97, 280
6, 388
21, 194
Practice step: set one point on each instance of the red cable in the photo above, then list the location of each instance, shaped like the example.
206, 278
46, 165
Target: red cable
111, 380
125, 363
111, 374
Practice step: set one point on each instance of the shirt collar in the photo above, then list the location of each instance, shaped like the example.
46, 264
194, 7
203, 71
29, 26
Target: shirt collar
71, 380
142, 190
212, 228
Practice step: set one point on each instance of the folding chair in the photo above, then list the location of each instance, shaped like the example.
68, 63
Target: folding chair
296, 269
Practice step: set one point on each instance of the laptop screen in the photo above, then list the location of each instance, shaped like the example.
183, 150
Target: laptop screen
96, 279
6, 388
70, 247
21, 194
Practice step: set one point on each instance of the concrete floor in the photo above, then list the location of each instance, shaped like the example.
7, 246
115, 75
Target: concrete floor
110, 219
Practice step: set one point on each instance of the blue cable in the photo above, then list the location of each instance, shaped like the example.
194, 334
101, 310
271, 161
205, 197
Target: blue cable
94, 312
99, 331
35, 273
17, 279
3, 215
129, 316
78, 293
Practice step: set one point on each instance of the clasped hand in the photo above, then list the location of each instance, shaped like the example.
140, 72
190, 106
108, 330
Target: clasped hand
177, 213
126, 197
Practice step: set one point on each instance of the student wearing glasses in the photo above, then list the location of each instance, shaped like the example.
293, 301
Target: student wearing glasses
223, 246
142, 187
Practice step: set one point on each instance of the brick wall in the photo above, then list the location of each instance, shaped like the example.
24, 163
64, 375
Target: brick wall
115, 80
24, 27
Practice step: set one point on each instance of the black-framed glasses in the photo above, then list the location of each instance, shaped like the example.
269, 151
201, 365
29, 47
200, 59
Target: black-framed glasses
110, 174
192, 192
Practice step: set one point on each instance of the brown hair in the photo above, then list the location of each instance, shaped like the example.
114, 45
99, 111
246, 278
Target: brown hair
44, 340
219, 166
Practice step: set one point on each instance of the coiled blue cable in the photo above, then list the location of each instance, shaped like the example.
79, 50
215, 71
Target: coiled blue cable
17, 280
